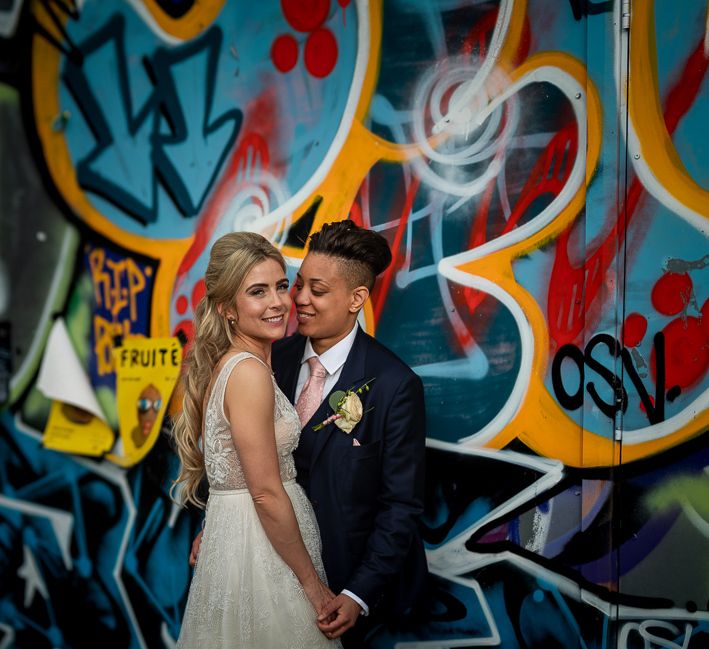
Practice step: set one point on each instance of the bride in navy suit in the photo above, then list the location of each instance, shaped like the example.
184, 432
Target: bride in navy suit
363, 470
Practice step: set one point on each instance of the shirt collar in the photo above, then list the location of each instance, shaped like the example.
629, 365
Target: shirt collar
334, 358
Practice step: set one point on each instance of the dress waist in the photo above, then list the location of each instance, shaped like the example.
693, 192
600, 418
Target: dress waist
236, 492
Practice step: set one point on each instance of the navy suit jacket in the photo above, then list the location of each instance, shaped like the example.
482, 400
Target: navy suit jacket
367, 498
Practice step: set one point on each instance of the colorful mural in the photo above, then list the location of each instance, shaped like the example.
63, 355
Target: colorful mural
540, 170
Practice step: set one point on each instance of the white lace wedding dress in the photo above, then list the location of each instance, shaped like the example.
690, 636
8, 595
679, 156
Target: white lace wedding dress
242, 592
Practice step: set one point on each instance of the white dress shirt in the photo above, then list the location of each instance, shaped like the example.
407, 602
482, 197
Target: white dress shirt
333, 360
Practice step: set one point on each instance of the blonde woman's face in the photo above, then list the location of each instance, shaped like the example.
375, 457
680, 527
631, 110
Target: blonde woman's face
263, 302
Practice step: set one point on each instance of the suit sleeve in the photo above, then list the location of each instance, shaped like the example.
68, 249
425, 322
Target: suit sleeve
401, 493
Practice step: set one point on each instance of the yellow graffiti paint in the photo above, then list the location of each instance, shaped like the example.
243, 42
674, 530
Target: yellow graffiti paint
195, 21
539, 421
646, 115
46, 60
531, 423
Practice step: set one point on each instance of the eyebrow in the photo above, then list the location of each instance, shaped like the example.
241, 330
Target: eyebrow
312, 280
264, 285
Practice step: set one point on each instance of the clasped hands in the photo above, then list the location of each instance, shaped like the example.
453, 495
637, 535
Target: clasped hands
338, 616
336, 613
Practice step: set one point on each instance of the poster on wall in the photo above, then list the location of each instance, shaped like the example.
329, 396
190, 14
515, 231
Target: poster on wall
76, 422
122, 288
147, 370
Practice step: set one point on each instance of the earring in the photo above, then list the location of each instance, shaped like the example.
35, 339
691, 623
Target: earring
231, 321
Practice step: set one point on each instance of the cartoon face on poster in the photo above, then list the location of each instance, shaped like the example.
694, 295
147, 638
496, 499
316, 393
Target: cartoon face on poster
146, 372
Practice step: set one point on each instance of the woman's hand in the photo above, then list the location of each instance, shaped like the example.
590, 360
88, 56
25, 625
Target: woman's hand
194, 552
318, 594
339, 615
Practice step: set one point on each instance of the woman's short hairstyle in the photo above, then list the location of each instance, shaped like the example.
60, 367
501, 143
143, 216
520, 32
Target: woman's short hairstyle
363, 253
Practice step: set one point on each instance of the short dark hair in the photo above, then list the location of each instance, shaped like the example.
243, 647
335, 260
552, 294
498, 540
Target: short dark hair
364, 253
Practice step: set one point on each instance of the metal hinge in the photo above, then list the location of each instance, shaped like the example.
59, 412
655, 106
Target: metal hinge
625, 15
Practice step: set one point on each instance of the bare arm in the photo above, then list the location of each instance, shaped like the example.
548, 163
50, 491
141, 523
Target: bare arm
248, 404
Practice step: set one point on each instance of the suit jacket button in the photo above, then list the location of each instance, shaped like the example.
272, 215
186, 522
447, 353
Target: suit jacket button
315, 503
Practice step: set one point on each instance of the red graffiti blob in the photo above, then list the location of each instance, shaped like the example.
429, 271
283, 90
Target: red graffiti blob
186, 326
652, 401
566, 279
181, 305
320, 53
305, 15
284, 53
198, 292
343, 3
686, 353
686, 340
634, 329
671, 293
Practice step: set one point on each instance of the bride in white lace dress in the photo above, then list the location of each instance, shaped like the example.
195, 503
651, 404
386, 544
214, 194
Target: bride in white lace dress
259, 581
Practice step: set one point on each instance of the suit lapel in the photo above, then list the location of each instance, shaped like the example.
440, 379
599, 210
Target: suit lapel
353, 373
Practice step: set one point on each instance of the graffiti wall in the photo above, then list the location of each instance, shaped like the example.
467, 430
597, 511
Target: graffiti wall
540, 170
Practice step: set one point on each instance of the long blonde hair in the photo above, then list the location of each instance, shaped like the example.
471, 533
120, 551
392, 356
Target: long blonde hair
231, 259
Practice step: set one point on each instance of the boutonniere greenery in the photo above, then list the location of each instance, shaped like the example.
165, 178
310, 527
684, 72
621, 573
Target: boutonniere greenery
347, 408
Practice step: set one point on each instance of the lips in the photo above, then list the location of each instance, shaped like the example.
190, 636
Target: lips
275, 320
303, 316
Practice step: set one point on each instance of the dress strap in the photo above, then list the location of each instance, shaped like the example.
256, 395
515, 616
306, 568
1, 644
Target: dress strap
223, 378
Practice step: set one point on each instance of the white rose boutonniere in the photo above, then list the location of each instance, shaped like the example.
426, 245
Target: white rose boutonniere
347, 407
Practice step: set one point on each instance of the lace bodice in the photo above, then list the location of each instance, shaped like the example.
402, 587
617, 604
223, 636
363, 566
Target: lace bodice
220, 457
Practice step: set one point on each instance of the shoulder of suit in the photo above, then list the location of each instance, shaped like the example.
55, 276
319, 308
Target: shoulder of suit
285, 344
387, 361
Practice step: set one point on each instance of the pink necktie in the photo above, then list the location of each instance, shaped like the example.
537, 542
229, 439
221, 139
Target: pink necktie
311, 396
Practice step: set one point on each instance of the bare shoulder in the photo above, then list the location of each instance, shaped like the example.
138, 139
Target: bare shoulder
249, 390
249, 379
250, 371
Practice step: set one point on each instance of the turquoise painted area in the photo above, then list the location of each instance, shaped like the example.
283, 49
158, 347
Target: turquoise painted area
307, 112
678, 35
